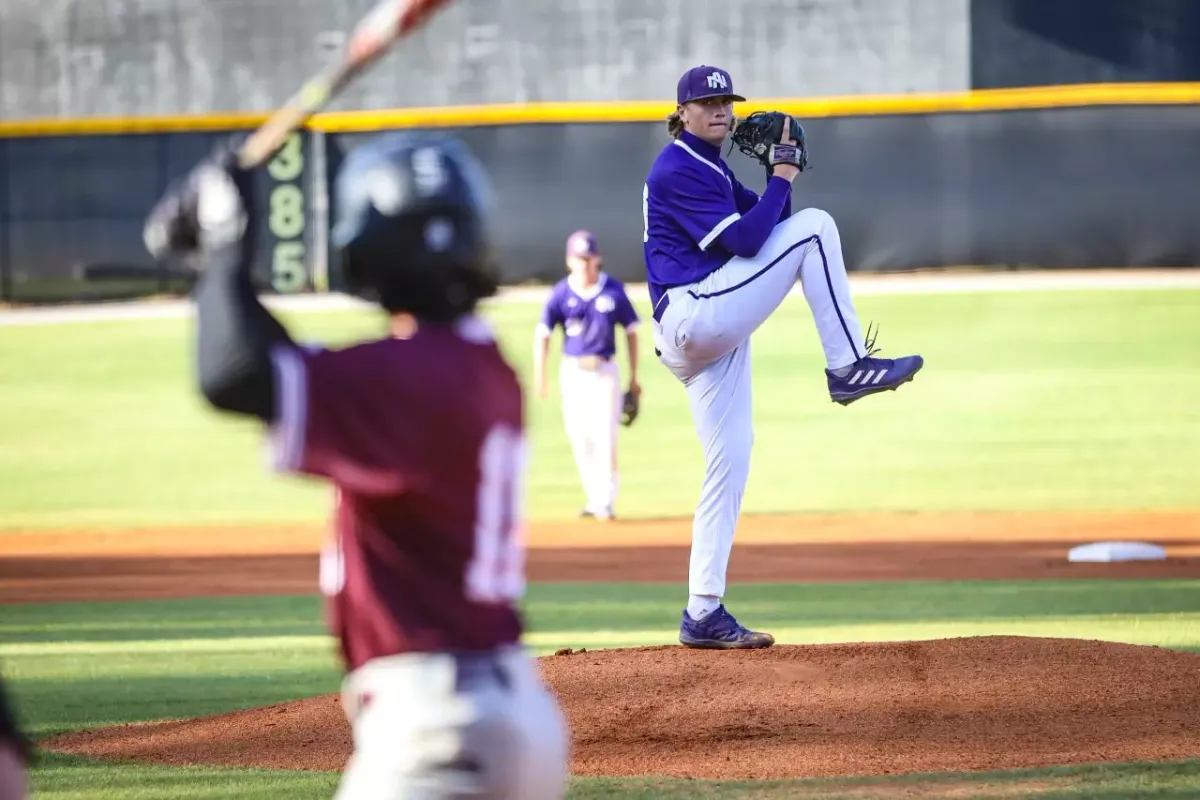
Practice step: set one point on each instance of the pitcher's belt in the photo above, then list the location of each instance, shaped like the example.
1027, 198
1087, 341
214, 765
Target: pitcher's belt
590, 362
658, 312
661, 308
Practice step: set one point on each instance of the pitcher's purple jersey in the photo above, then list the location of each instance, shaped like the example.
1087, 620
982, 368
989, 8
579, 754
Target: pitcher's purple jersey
422, 439
690, 198
589, 320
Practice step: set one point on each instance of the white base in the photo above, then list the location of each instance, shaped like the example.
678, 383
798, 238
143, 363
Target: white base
1117, 551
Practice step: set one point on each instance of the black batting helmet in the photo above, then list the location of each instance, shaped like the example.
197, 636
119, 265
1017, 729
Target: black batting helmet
411, 226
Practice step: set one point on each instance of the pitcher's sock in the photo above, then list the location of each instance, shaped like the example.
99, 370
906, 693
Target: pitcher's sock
701, 605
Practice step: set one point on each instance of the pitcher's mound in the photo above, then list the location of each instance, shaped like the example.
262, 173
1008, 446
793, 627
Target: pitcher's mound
784, 712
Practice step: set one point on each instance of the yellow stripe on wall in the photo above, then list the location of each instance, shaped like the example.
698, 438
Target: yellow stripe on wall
1037, 97
100, 126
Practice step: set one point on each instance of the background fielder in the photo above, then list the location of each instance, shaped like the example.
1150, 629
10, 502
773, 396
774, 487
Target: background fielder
719, 260
589, 305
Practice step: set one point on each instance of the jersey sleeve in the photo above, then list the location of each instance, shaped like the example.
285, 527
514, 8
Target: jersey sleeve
336, 418
787, 205
701, 207
745, 199
624, 313
552, 315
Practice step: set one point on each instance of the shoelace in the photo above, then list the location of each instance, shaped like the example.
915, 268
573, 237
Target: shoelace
870, 343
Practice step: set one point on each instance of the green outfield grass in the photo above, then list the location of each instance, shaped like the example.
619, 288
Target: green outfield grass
88, 664
79, 665
1057, 400
75, 779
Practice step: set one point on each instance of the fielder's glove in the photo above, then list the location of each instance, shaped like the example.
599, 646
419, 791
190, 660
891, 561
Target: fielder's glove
760, 136
630, 405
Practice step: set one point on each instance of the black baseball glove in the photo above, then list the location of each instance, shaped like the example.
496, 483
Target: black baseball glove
760, 136
630, 405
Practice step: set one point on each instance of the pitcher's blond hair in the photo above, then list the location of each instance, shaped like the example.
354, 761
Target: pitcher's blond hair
674, 124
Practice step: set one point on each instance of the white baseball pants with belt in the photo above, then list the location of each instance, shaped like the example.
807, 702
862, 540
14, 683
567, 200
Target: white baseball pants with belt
702, 335
591, 408
435, 726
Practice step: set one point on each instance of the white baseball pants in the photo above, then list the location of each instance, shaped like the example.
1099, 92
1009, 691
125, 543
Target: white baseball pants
591, 407
703, 336
419, 734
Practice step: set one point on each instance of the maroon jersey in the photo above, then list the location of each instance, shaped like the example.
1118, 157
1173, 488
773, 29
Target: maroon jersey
423, 441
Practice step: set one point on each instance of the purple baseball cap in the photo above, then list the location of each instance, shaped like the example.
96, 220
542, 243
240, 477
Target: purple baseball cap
582, 244
705, 81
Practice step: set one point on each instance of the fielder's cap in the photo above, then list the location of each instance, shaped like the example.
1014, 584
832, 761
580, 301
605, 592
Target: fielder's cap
705, 81
583, 244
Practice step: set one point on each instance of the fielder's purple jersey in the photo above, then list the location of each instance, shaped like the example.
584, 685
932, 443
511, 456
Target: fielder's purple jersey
589, 318
691, 199
423, 441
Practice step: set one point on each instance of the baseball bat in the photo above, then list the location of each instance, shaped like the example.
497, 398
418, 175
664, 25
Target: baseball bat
386, 23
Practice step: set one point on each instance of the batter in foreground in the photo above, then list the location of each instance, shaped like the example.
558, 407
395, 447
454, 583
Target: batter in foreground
719, 260
421, 433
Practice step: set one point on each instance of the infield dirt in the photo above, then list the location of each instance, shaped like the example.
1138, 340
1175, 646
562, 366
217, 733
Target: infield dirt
786, 712
55, 566
790, 711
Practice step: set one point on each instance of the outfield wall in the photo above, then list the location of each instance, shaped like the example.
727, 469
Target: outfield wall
78, 59
1090, 176
74, 58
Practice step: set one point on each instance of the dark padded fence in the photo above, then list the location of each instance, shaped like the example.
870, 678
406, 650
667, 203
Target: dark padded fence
1081, 187
71, 203
1050, 42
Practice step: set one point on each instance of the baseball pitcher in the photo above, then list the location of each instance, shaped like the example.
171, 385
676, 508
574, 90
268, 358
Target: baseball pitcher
719, 260
421, 434
589, 305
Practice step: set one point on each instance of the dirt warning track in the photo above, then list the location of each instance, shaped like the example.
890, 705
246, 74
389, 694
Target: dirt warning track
188, 562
